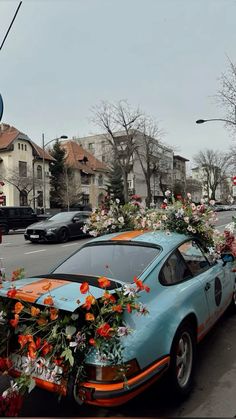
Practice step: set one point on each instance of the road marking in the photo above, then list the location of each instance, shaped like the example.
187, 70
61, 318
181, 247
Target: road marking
35, 251
71, 244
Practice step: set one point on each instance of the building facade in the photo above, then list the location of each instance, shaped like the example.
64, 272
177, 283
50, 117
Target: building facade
21, 169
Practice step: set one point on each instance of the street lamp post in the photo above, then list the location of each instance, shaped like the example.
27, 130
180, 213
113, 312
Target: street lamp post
62, 137
228, 121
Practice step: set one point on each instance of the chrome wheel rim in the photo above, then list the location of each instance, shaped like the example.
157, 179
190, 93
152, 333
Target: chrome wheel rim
184, 359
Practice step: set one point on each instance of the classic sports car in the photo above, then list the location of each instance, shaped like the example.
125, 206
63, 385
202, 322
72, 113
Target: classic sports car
188, 293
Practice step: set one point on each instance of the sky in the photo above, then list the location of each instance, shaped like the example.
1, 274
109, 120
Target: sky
62, 57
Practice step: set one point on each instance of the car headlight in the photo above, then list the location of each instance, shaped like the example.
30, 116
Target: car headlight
51, 230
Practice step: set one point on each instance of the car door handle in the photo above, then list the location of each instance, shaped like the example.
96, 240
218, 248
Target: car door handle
207, 286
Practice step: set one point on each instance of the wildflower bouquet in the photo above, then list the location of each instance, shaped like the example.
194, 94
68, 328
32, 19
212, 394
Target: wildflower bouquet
50, 344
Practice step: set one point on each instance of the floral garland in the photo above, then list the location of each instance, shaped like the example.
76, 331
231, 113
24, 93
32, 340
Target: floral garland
54, 342
173, 215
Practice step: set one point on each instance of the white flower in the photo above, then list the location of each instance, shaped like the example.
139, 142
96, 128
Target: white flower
117, 200
121, 220
189, 196
194, 231
129, 290
93, 233
123, 331
230, 227
193, 206
167, 193
190, 228
165, 201
164, 217
212, 202
202, 201
186, 219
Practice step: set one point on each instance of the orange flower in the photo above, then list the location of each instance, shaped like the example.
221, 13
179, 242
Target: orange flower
92, 342
42, 321
104, 282
90, 300
34, 311
84, 287
47, 286
14, 322
22, 340
140, 285
31, 351
89, 317
38, 343
53, 313
18, 307
104, 330
29, 338
117, 308
48, 300
109, 297
46, 348
11, 293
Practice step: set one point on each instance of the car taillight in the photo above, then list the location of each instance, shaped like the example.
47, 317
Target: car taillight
111, 372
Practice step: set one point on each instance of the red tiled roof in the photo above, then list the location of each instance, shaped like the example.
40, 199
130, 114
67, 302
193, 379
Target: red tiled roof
79, 158
9, 134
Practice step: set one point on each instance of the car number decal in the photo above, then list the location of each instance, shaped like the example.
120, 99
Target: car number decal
218, 291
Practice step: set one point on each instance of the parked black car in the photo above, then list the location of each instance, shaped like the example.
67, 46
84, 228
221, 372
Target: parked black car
59, 228
14, 218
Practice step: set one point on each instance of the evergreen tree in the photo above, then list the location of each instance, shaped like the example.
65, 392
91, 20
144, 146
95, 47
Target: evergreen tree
115, 186
58, 169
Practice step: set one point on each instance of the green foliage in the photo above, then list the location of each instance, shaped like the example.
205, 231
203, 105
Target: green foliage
115, 186
57, 169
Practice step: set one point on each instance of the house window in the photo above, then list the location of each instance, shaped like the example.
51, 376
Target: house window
22, 168
39, 172
18, 146
23, 198
40, 199
85, 199
25, 147
85, 179
22, 146
100, 180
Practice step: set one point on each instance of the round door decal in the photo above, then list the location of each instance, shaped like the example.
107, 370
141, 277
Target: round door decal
218, 291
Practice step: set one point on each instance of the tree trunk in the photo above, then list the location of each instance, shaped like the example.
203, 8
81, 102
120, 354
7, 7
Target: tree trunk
126, 192
149, 193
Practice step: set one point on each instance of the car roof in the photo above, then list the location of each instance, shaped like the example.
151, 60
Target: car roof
166, 240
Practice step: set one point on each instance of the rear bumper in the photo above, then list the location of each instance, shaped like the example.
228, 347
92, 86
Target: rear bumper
115, 394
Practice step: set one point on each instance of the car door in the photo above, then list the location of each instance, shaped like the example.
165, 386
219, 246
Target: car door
78, 223
212, 278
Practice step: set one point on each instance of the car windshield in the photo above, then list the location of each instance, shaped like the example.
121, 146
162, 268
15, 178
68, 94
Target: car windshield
62, 216
117, 261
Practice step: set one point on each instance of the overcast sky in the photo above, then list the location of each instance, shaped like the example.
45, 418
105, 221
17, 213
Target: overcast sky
64, 56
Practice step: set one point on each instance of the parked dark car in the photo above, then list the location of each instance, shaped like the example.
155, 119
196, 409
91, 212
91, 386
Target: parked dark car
59, 228
14, 218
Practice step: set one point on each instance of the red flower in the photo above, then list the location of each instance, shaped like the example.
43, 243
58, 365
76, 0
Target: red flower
92, 342
104, 282
104, 330
129, 308
90, 300
22, 340
109, 297
84, 287
14, 322
11, 293
140, 285
5, 364
117, 308
46, 348
48, 300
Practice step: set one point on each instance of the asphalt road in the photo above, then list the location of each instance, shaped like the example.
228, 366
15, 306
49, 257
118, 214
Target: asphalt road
215, 383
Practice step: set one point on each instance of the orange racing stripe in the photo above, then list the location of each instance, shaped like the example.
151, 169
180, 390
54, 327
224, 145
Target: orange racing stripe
31, 292
129, 235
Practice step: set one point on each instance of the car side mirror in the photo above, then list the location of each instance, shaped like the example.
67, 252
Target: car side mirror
227, 257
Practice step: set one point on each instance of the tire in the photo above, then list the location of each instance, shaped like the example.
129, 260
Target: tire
232, 306
63, 235
182, 363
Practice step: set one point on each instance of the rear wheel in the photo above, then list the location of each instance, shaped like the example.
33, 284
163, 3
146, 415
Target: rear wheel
63, 235
183, 355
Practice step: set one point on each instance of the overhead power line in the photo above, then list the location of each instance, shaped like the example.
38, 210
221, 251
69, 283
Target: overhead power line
5, 37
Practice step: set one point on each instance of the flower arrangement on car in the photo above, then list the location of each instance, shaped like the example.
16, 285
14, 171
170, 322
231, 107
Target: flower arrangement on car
48, 343
182, 216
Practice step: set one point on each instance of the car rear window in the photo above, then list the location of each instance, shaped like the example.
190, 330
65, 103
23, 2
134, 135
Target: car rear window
116, 261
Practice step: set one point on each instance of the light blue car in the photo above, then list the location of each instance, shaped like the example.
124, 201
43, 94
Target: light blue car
188, 293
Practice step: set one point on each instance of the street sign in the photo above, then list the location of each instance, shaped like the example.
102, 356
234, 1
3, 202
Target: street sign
1, 107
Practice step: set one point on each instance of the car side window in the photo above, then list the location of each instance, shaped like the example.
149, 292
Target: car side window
174, 270
194, 257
